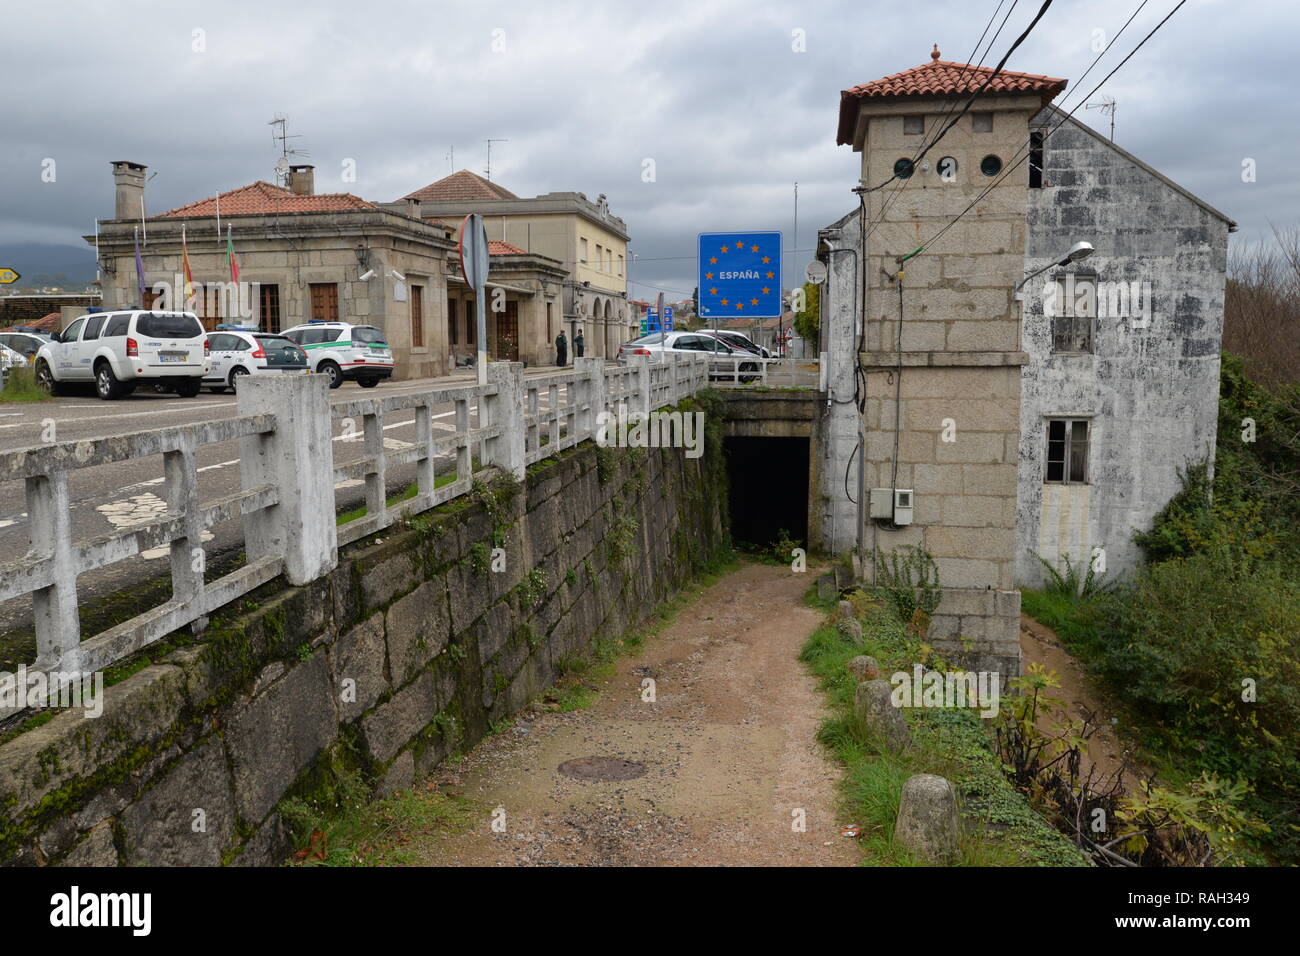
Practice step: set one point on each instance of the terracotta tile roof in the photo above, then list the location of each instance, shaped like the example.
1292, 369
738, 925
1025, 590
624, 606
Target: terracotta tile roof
941, 78
460, 186
497, 247
262, 198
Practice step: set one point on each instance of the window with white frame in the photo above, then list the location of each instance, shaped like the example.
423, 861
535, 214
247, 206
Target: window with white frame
1067, 451
582, 251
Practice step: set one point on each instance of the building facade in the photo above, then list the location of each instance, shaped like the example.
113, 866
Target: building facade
1017, 430
584, 237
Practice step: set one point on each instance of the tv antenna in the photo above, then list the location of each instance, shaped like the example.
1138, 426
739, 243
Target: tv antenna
451, 158
1106, 105
281, 133
488, 172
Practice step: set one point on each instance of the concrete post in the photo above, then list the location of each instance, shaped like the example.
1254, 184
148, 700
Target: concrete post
54, 609
506, 408
641, 401
592, 371
298, 458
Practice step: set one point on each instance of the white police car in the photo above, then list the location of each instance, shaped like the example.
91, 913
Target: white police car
343, 351
239, 350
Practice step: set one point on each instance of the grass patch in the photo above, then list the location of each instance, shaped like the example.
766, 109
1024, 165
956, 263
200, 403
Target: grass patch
20, 386
407, 494
999, 827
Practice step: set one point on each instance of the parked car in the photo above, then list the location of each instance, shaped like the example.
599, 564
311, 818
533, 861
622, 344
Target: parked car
240, 351
344, 352
25, 341
119, 350
12, 359
739, 340
691, 343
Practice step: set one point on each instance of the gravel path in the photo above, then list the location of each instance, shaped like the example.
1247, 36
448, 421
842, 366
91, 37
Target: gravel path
728, 750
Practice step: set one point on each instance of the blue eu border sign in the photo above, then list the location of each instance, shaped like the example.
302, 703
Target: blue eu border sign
740, 275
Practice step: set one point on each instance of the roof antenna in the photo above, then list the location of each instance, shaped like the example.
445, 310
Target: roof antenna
1107, 105
282, 134
488, 172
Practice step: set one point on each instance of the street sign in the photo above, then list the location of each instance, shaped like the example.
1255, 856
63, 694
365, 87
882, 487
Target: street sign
740, 275
474, 263
816, 272
651, 322
8, 276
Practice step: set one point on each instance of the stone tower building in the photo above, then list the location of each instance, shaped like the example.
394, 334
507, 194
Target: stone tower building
936, 337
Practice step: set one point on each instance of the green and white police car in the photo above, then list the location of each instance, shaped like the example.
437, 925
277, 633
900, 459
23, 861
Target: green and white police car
345, 352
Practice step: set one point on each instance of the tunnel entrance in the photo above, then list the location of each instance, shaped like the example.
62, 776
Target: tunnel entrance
769, 489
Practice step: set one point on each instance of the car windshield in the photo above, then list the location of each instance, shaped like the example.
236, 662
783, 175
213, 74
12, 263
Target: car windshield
171, 325
370, 336
652, 339
276, 343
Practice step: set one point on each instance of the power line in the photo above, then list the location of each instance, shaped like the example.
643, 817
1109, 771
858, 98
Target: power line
1024, 149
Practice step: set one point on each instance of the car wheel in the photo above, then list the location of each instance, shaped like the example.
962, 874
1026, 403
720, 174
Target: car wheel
189, 388
367, 382
106, 383
333, 371
236, 374
45, 378
218, 389
749, 367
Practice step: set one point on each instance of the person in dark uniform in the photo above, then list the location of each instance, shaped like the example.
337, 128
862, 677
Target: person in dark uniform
579, 343
561, 349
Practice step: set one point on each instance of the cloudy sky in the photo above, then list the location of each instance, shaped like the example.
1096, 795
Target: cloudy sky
716, 93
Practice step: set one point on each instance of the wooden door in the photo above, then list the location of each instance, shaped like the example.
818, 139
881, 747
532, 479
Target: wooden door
508, 333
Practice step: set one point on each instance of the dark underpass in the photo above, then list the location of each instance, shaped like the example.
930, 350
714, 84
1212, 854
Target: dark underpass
769, 489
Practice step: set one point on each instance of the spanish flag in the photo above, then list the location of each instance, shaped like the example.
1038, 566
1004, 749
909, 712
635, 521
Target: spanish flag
185, 266
230, 255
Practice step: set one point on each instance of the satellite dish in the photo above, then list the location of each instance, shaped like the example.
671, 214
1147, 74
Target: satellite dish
816, 272
281, 166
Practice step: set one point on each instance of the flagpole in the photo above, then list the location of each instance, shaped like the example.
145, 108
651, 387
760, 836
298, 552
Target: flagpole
218, 220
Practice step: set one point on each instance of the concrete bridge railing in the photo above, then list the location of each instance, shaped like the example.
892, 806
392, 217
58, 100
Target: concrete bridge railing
286, 500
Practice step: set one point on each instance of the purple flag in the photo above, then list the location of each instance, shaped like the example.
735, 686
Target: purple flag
139, 269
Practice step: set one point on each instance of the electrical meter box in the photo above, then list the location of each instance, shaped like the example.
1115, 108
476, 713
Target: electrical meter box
882, 503
902, 506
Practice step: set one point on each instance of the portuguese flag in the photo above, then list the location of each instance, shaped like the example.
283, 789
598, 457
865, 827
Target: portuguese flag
230, 255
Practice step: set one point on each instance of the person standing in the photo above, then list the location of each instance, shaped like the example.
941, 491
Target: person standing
579, 343
561, 349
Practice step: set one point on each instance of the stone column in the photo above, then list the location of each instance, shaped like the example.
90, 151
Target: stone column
506, 408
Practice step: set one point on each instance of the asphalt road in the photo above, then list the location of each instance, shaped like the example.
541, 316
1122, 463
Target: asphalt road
109, 496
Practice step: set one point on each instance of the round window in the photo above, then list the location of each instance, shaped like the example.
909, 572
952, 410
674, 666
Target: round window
903, 168
990, 165
947, 169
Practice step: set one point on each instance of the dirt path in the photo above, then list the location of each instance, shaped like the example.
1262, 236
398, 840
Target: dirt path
1040, 644
728, 749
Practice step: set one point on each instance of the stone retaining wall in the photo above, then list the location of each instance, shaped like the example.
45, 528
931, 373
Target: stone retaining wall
407, 652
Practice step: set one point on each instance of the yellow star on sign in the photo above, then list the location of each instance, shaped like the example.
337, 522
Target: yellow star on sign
766, 259
713, 261
753, 302
771, 275
724, 248
766, 290
724, 301
708, 275
753, 248
740, 305
713, 291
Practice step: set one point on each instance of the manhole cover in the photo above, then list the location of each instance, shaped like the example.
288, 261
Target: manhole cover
602, 768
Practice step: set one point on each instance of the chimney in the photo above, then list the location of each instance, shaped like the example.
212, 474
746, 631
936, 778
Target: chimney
128, 178
413, 208
302, 180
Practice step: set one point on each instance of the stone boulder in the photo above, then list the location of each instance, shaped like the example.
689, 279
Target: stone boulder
882, 719
863, 668
927, 822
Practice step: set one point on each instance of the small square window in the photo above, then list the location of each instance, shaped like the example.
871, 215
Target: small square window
1067, 451
913, 125
981, 122
1073, 312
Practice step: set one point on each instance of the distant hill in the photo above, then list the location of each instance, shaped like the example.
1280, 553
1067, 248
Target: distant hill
42, 265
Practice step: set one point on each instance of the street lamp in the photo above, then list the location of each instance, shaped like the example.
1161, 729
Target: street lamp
1080, 250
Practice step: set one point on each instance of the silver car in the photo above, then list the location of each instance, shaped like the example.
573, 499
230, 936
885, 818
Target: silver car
692, 343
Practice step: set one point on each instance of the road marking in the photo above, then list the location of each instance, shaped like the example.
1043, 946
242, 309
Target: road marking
141, 509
